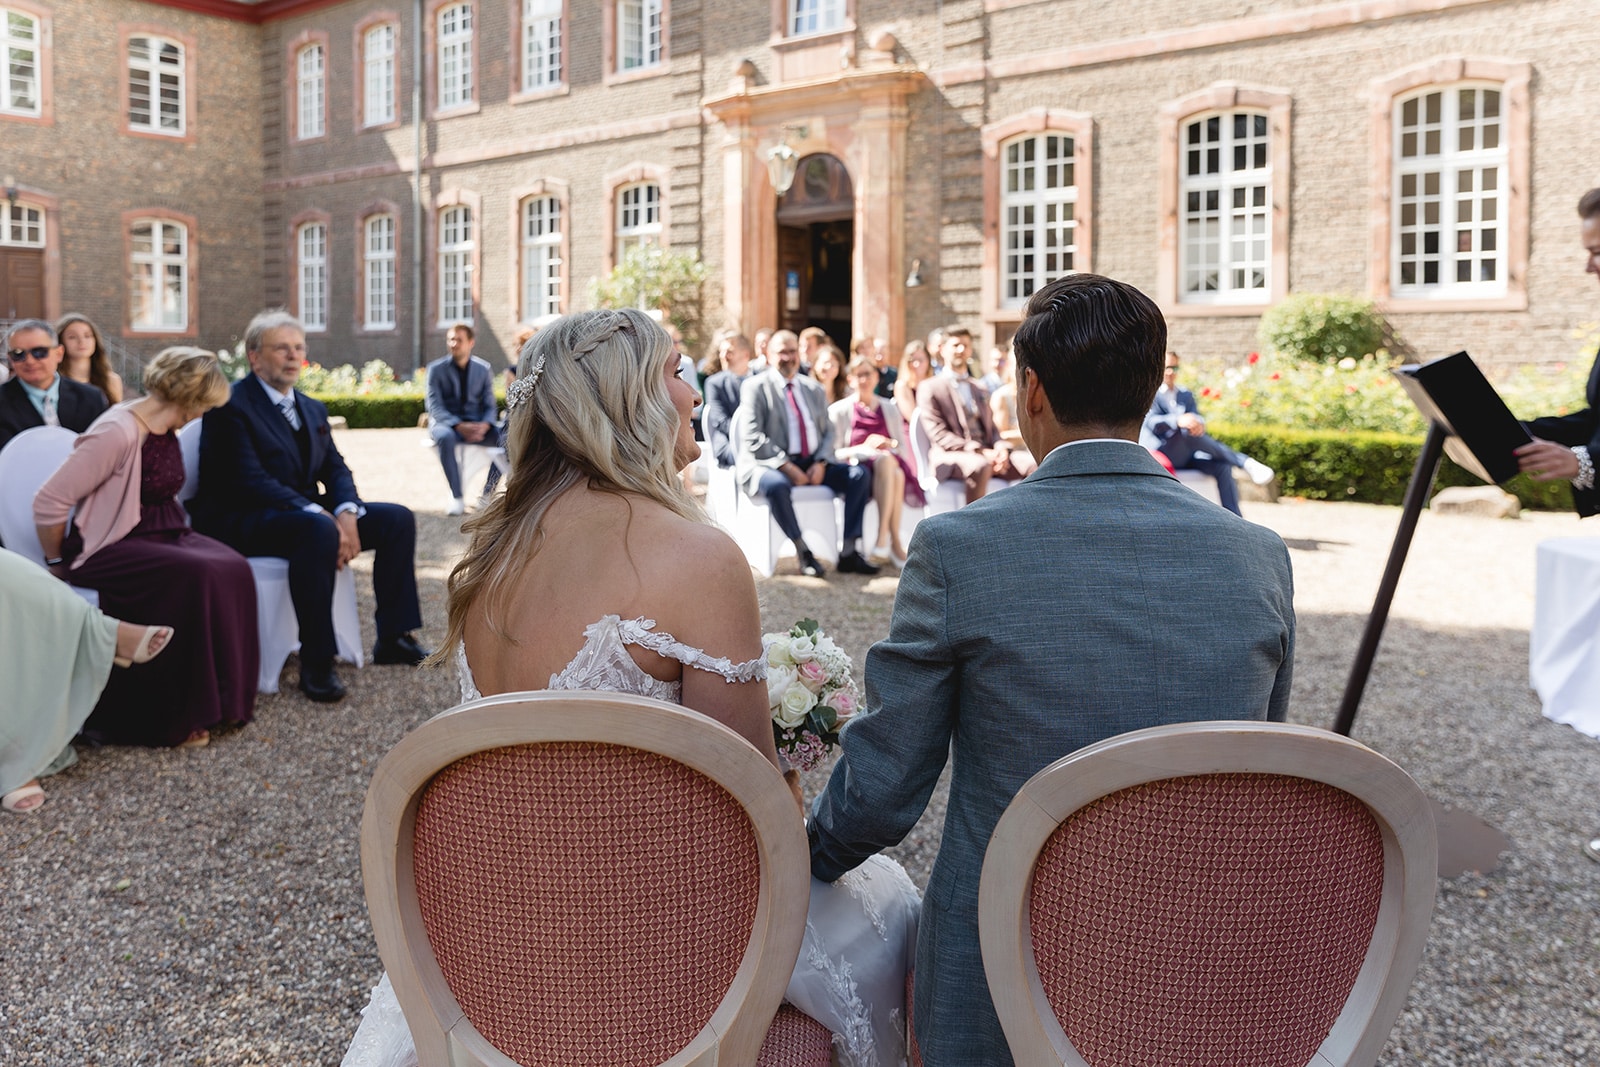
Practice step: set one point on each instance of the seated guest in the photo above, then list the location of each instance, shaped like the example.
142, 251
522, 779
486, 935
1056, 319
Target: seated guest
871, 434
995, 365
86, 359
37, 395
812, 338
130, 541
828, 370
1174, 427
272, 483
1003, 408
955, 410
56, 654
759, 362
886, 370
915, 368
722, 396
519, 340
461, 410
785, 440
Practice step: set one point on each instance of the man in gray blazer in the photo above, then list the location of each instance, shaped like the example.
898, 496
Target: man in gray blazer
461, 410
1109, 598
783, 439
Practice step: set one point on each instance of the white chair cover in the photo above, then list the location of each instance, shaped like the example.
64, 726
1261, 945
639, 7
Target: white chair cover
27, 462
758, 536
276, 622
1564, 645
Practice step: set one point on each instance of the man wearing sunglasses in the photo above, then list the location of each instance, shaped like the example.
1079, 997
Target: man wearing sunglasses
37, 395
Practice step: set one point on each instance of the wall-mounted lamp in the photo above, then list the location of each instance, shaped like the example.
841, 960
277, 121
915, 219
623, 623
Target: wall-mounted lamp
783, 160
914, 279
11, 191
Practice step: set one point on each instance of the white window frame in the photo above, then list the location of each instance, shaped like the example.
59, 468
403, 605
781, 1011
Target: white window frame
1038, 213
454, 53
456, 251
21, 51
379, 255
311, 259
378, 47
807, 17
1225, 205
541, 44
161, 70
541, 257
21, 226
1462, 180
311, 91
638, 216
157, 263
640, 35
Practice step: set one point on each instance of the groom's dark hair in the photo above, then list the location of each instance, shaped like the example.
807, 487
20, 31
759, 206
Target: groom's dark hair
1097, 345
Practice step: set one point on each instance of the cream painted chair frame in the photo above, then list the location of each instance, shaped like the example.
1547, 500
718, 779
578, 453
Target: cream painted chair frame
444, 1036
1410, 866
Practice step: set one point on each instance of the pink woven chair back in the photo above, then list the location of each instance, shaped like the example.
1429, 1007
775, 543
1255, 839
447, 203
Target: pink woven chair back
588, 904
1204, 920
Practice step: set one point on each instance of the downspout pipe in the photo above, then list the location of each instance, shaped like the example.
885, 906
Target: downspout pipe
417, 213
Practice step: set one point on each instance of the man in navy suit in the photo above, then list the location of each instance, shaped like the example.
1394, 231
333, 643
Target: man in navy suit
273, 484
722, 397
38, 395
461, 410
1174, 427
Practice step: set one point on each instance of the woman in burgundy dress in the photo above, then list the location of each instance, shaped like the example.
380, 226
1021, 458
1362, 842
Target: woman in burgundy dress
130, 541
868, 430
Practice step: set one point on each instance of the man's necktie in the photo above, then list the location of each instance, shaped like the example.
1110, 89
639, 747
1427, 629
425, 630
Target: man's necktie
799, 418
289, 413
50, 416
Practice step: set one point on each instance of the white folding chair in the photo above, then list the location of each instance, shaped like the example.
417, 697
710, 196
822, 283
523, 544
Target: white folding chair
472, 460
276, 622
1201, 483
27, 462
948, 495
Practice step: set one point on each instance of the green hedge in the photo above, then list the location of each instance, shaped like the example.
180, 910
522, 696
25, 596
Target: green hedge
384, 411
1372, 468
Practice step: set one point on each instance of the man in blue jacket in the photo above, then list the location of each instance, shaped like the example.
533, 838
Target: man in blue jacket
461, 410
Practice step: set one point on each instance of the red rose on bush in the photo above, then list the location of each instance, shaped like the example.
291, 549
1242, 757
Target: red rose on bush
1254, 357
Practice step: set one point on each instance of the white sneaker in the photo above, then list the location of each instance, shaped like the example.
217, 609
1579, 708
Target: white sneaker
457, 506
1259, 472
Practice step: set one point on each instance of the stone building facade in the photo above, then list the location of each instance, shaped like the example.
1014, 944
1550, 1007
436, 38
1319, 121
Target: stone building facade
1425, 152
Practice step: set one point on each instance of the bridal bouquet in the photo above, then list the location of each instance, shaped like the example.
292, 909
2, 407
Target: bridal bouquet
810, 690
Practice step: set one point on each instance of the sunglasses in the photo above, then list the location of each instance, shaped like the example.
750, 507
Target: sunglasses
40, 353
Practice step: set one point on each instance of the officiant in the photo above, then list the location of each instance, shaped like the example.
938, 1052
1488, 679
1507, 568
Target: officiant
1565, 446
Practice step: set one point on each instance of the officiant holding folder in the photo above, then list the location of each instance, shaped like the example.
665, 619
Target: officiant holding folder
1565, 446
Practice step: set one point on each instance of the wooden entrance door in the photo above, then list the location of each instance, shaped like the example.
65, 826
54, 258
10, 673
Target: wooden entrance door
21, 283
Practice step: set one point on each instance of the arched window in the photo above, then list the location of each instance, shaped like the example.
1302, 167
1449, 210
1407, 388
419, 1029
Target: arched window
311, 92
378, 74
455, 56
1225, 207
156, 87
19, 43
638, 216
378, 251
1038, 213
456, 257
311, 261
640, 26
541, 257
158, 297
541, 44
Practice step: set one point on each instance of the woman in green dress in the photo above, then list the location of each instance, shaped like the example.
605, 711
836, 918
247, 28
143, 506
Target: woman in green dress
56, 652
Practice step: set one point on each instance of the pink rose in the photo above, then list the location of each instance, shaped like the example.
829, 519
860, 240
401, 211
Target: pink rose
812, 675
844, 702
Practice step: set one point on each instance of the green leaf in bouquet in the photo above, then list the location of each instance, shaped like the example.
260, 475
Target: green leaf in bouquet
809, 627
826, 716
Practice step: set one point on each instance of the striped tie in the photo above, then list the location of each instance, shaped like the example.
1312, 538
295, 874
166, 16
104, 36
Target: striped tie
287, 407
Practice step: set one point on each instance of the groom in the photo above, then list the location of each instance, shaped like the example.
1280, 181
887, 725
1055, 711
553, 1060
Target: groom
1113, 599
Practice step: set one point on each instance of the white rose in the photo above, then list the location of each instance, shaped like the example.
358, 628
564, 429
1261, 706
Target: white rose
778, 651
796, 704
1347, 363
779, 679
802, 649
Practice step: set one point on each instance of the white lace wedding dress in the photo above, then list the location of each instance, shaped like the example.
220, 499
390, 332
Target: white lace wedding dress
861, 931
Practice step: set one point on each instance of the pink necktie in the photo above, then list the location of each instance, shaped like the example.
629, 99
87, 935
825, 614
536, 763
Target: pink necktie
800, 420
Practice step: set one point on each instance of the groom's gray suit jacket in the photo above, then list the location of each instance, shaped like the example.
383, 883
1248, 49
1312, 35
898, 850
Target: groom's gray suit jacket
1096, 596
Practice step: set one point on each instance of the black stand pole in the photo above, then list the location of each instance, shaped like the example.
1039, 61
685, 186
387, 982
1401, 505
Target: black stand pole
1416, 496
1466, 842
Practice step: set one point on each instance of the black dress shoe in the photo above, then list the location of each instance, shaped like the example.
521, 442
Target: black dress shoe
403, 650
323, 685
856, 563
809, 565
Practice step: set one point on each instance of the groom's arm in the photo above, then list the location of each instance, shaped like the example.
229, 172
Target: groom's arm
894, 750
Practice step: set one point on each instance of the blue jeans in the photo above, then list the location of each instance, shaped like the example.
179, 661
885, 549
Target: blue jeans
445, 438
852, 483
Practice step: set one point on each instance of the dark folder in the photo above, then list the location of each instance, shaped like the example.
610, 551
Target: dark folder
1453, 392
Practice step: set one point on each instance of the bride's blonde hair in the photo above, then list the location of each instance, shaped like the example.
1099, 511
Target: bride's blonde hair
591, 406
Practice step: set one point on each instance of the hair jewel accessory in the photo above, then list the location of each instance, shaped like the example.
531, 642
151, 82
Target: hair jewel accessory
522, 388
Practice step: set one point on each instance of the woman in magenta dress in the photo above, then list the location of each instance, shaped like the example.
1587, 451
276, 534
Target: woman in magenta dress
869, 431
130, 541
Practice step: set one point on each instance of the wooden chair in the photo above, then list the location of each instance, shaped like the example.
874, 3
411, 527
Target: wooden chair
1214, 893
588, 878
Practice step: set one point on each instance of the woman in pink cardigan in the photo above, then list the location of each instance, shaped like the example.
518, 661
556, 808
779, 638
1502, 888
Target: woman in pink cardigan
130, 541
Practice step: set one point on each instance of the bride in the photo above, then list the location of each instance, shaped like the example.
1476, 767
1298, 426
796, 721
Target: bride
595, 570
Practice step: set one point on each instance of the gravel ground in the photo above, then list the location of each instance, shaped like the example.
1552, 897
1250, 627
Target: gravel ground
205, 907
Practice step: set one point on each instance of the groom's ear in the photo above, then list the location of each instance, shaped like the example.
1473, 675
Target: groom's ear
1034, 399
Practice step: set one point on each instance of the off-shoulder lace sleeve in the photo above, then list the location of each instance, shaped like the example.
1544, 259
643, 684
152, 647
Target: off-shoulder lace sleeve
642, 632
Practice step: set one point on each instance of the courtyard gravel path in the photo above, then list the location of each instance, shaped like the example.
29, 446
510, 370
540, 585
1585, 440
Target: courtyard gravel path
205, 907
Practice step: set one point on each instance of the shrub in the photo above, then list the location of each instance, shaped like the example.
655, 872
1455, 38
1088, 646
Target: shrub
652, 277
374, 412
1372, 468
1322, 328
